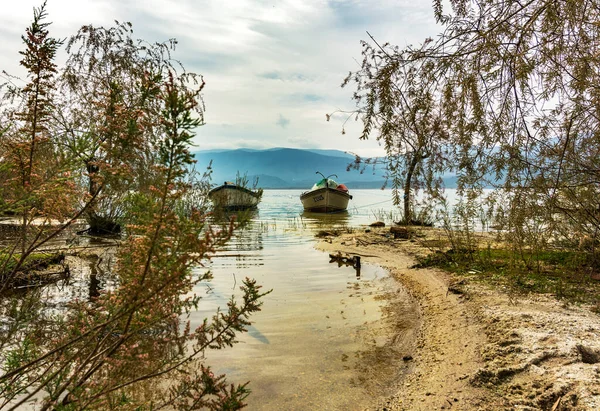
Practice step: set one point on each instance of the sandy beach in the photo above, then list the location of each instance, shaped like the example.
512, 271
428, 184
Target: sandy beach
478, 348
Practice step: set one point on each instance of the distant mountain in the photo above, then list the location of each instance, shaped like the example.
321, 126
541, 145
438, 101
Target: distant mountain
333, 153
266, 181
221, 150
286, 167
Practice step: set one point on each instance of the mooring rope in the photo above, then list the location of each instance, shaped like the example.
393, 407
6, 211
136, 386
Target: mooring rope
371, 205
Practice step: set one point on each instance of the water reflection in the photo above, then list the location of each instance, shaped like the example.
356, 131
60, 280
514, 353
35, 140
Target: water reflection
241, 217
324, 220
95, 285
306, 348
242, 250
352, 261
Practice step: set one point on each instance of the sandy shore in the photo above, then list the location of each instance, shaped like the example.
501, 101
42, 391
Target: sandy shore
478, 348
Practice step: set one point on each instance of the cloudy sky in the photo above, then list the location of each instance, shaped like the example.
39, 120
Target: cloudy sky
273, 69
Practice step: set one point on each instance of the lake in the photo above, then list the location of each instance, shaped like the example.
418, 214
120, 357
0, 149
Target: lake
314, 344
321, 341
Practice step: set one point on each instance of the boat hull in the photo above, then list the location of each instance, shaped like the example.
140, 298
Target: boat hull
325, 200
232, 197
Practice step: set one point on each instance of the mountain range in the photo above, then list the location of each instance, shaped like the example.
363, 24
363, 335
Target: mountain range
288, 167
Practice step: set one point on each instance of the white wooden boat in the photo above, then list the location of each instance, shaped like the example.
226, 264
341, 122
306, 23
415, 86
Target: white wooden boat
326, 196
230, 196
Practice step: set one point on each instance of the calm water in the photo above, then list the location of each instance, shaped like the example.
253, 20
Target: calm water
320, 342
312, 345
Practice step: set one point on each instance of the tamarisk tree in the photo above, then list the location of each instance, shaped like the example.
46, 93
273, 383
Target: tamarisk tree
36, 184
397, 103
108, 114
520, 99
130, 346
513, 86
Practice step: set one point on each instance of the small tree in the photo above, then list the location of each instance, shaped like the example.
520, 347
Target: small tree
100, 353
38, 183
27, 144
520, 85
110, 87
397, 102
513, 87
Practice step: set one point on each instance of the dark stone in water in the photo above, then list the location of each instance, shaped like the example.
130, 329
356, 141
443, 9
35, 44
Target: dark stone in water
322, 234
103, 226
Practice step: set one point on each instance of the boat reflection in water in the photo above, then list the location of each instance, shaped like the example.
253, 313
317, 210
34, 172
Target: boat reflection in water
241, 216
326, 221
243, 248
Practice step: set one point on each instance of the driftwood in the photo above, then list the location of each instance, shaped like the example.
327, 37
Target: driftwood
39, 278
456, 287
353, 261
347, 260
360, 241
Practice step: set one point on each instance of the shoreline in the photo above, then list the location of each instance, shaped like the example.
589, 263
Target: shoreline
480, 348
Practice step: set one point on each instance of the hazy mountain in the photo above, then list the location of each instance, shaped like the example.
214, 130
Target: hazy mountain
333, 153
286, 167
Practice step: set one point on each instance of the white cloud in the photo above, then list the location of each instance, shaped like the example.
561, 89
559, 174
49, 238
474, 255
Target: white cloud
260, 59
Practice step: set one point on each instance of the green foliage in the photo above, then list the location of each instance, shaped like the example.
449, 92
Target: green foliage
112, 91
505, 97
13, 359
242, 181
568, 275
114, 145
35, 183
396, 102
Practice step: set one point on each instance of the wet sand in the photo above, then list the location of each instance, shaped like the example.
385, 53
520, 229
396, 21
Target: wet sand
482, 349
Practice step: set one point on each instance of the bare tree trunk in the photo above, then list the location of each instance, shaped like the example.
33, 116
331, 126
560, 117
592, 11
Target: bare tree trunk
99, 224
406, 200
